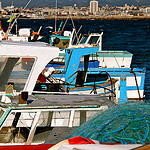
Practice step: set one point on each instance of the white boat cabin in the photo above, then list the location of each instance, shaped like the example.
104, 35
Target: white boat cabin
21, 63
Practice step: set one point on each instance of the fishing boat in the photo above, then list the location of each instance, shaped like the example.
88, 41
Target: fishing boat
29, 117
88, 40
101, 59
26, 114
75, 80
23, 34
79, 73
65, 39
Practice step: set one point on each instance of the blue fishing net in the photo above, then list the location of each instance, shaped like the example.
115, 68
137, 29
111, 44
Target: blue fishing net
125, 123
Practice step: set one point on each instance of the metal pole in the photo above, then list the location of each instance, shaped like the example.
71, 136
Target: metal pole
56, 17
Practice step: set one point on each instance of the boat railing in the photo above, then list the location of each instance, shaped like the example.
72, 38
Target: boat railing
111, 90
67, 86
21, 115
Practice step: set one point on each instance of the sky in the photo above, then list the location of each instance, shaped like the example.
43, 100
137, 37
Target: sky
50, 3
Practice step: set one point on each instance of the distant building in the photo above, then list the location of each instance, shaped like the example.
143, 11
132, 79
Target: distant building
126, 7
93, 7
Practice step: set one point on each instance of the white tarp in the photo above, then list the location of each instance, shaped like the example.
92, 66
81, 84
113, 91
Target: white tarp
98, 147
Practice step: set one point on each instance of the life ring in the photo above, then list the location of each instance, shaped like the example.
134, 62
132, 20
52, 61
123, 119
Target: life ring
56, 41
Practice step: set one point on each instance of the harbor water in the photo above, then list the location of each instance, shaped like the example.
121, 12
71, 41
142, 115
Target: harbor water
130, 35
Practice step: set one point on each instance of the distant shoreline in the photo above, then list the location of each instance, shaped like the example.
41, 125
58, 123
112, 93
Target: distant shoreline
95, 18
104, 18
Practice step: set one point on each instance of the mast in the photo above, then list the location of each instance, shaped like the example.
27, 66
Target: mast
56, 16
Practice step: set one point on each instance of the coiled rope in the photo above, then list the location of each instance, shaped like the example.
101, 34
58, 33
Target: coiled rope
126, 123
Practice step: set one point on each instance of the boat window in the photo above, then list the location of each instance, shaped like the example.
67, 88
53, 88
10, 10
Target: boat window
83, 40
14, 70
93, 40
80, 78
96, 77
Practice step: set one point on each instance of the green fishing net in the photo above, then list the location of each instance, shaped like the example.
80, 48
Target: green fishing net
125, 123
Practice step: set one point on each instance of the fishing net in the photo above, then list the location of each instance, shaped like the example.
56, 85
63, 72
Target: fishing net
126, 123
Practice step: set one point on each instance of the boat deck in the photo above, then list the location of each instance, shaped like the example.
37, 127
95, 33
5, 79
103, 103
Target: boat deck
70, 100
61, 101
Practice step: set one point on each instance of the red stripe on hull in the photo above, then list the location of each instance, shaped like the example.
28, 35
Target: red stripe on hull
26, 147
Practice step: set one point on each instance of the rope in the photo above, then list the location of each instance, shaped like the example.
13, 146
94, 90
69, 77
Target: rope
126, 123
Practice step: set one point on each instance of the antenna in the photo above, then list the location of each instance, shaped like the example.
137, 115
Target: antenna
12, 3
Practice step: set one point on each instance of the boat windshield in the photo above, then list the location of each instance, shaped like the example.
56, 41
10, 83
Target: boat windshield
14, 71
83, 40
93, 40
90, 39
